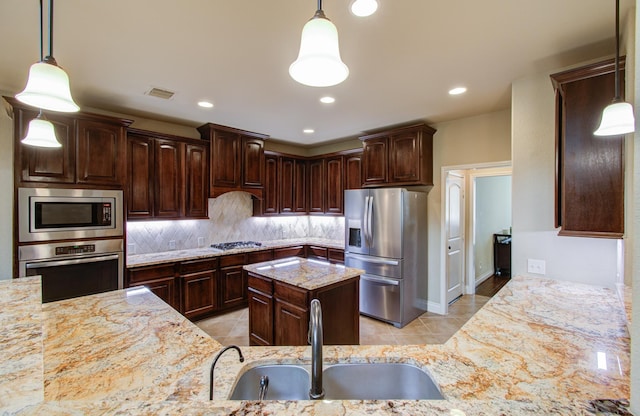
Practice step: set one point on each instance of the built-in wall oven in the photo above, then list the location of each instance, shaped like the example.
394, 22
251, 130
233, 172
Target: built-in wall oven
73, 238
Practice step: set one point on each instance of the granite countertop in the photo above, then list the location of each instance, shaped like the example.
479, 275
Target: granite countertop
304, 273
538, 347
139, 260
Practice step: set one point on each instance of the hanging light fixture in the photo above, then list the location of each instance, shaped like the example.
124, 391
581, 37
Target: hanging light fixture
48, 84
41, 133
617, 117
364, 8
319, 63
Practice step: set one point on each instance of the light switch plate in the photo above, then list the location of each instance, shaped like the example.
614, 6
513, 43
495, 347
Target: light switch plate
536, 266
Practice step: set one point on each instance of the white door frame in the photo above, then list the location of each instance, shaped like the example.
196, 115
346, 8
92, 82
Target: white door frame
444, 170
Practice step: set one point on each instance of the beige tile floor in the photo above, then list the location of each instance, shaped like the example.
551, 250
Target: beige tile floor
233, 328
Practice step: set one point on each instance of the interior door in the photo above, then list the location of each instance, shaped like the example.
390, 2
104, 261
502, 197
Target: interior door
454, 223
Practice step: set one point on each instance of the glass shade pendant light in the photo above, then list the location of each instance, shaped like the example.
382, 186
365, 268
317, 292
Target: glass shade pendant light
617, 117
48, 84
364, 8
41, 133
319, 63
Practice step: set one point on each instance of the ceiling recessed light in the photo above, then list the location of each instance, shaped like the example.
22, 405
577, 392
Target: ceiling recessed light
308, 131
457, 90
205, 104
327, 100
364, 8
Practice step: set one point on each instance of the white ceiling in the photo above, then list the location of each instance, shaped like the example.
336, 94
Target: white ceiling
236, 53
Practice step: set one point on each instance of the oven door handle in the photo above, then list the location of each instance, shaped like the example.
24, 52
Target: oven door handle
53, 263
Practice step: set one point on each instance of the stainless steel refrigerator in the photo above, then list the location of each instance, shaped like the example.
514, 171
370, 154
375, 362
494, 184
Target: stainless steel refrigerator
386, 235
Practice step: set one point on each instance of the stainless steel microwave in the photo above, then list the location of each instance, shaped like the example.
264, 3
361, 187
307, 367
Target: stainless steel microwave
58, 214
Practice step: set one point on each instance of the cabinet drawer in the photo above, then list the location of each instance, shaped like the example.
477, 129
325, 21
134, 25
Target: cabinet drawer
317, 252
259, 256
233, 260
291, 295
280, 253
144, 274
336, 255
260, 284
195, 266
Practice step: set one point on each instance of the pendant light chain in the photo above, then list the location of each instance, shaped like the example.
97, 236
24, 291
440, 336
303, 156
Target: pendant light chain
51, 28
617, 61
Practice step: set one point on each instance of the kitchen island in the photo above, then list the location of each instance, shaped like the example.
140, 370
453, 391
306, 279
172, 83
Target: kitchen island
280, 294
538, 347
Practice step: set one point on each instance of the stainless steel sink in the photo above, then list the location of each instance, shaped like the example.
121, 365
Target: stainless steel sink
362, 381
286, 382
383, 381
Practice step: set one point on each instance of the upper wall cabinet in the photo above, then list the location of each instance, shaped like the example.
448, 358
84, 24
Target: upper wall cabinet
353, 169
589, 169
92, 153
237, 159
402, 156
168, 176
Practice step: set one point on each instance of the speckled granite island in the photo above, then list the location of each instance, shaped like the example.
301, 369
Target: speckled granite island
280, 294
538, 347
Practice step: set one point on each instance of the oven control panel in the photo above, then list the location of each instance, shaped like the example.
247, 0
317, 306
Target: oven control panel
80, 249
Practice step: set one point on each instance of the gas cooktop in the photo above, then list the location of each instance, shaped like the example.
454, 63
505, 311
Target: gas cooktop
236, 244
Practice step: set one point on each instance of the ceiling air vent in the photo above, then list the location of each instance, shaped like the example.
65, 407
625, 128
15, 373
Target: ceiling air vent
160, 93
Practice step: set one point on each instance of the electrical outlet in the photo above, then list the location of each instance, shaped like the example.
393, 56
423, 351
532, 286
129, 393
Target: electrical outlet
172, 244
131, 248
536, 266
200, 241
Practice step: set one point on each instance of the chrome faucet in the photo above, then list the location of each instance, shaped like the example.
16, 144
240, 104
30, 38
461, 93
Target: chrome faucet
315, 339
215, 360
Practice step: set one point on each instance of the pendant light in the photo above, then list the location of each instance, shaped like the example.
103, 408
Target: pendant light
41, 133
364, 8
319, 63
617, 117
48, 84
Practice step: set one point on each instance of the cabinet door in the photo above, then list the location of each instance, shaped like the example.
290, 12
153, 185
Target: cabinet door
165, 289
375, 161
404, 158
270, 198
100, 154
253, 162
168, 179
300, 199
196, 181
140, 194
336, 255
287, 185
317, 252
260, 318
317, 186
39, 164
233, 287
291, 324
225, 160
296, 251
353, 171
334, 185
198, 293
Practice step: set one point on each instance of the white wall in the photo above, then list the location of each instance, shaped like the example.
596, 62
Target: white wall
492, 216
474, 140
6, 189
586, 260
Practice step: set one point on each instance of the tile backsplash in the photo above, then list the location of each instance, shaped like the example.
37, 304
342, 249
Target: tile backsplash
230, 219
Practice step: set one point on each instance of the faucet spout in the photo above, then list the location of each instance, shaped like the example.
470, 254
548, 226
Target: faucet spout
315, 339
215, 360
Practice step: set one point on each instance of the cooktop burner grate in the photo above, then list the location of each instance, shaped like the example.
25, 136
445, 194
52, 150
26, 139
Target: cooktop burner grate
236, 244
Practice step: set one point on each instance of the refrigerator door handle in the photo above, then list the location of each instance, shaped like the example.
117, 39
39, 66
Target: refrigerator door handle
370, 221
369, 259
381, 280
365, 222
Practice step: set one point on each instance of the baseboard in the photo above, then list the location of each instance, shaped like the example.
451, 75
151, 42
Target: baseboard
434, 307
483, 278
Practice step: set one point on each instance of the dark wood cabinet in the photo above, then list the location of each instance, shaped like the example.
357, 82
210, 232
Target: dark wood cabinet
300, 187
270, 204
233, 281
291, 315
167, 176
261, 311
317, 252
295, 251
334, 185
353, 170
287, 180
402, 156
159, 279
284, 186
236, 159
92, 153
589, 169
335, 255
317, 186
198, 284
168, 179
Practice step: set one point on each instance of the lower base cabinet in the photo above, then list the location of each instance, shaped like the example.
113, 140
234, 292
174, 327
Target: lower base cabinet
158, 279
198, 284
